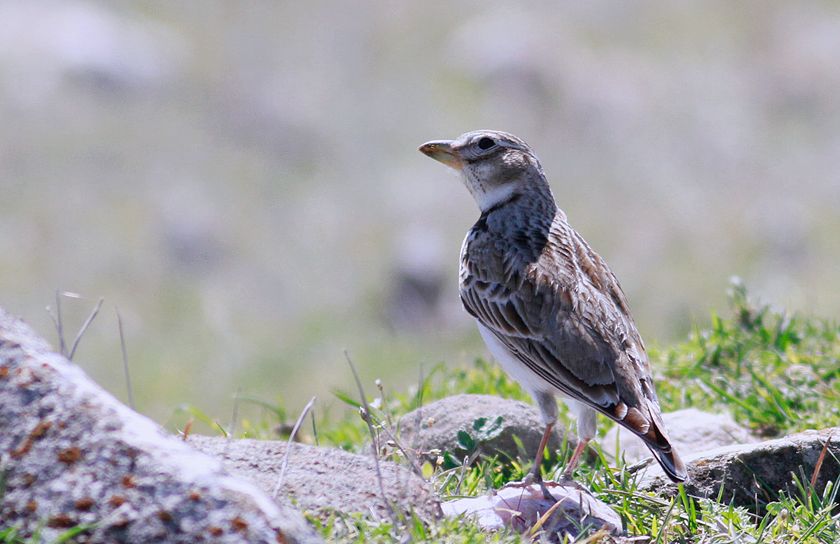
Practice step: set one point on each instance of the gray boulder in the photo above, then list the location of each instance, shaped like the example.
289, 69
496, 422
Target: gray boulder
751, 474
436, 427
322, 480
71, 455
691, 431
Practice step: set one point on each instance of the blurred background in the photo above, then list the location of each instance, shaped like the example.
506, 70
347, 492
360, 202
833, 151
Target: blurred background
242, 180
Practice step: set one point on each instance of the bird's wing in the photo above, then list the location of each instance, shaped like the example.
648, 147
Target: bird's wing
565, 317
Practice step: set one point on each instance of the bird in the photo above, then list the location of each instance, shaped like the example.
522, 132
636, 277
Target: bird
548, 307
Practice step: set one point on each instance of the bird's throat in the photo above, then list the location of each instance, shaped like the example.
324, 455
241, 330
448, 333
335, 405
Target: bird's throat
493, 197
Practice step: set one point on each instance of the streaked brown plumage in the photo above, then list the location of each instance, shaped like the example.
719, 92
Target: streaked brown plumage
548, 307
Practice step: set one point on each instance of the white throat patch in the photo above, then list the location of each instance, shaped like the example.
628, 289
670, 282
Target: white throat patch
486, 199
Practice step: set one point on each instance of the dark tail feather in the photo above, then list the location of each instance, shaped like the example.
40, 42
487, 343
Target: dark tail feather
657, 441
671, 463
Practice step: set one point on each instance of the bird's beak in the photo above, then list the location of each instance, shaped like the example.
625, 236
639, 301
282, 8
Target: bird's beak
441, 150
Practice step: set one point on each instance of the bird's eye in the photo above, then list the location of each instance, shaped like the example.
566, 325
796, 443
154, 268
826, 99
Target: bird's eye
486, 143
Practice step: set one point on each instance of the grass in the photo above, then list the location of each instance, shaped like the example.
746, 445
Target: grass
13, 535
776, 373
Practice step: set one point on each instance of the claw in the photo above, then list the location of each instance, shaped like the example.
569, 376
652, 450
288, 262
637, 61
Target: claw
546, 493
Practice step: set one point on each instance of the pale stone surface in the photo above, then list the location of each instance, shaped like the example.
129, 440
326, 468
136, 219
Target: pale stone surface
436, 425
691, 431
520, 507
321, 480
755, 473
71, 454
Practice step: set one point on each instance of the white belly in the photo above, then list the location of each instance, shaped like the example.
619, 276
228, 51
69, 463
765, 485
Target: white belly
515, 368
542, 391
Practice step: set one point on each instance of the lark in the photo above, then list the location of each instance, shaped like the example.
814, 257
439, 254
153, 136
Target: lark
548, 307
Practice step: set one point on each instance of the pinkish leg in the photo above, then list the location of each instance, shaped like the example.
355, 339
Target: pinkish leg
535, 476
535, 470
575, 458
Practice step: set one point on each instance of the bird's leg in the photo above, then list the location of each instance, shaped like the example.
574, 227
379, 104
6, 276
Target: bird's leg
535, 470
585, 432
535, 476
581, 445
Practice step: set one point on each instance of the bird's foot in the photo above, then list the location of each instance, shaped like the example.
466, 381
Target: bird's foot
531, 478
566, 480
546, 493
534, 477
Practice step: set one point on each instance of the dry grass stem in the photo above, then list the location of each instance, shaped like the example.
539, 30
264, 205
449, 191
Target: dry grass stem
125, 361
374, 444
84, 327
285, 465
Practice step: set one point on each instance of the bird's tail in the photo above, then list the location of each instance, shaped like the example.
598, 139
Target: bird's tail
651, 429
670, 462
658, 442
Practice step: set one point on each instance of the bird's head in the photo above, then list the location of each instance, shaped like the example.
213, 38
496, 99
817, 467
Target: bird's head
494, 165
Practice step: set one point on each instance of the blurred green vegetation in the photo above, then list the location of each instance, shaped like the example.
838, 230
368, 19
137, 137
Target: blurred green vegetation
775, 371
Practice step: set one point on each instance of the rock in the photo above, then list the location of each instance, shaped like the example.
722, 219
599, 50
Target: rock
436, 426
753, 474
520, 507
690, 430
71, 454
321, 480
